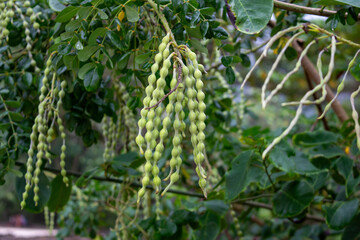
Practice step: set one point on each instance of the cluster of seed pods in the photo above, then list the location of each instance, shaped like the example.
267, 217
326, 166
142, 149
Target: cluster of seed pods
186, 90
10, 11
125, 121
44, 131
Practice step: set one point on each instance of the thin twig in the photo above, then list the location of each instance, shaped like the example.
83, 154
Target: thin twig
179, 80
302, 9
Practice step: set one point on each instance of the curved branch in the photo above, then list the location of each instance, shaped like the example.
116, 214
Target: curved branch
302, 9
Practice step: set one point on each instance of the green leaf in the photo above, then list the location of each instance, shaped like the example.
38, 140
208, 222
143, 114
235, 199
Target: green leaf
27, 79
44, 192
71, 62
290, 54
288, 161
84, 69
210, 226
204, 27
132, 13
230, 75
319, 137
16, 117
220, 33
326, 151
344, 165
251, 16
73, 25
87, 52
115, 39
217, 206
352, 231
66, 14
99, 32
142, 58
166, 227
292, 199
198, 46
60, 194
92, 80
102, 14
12, 104
56, 5
354, 3
195, 18
340, 214
243, 172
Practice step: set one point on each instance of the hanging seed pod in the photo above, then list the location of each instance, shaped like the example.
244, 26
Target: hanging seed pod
149, 89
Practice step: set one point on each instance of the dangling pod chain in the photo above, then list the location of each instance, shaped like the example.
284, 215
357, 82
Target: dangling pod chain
43, 131
156, 118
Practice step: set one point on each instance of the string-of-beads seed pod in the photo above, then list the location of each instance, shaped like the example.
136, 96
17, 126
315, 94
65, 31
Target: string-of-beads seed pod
152, 113
236, 223
107, 139
149, 89
164, 132
147, 119
39, 142
52, 222
176, 160
46, 216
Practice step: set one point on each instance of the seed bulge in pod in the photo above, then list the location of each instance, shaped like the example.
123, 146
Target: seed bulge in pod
155, 67
162, 47
158, 58
174, 177
197, 74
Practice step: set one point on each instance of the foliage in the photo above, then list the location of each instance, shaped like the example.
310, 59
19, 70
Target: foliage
100, 71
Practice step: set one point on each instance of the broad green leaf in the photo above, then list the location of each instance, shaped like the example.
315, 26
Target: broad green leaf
292, 199
243, 172
314, 138
92, 79
251, 16
66, 14
44, 192
340, 214
292, 162
12, 104
317, 181
352, 231
73, 25
71, 62
102, 14
99, 32
56, 5
210, 226
115, 39
27, 79
204, 27
84, 69
16, 117
60, 194
344, 166
87, 52
354, 3
217, 206
132, 13
166, 227
195, 18
198, 46
230, 75
142, 58
326, 151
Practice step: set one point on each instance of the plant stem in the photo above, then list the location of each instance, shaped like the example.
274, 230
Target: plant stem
302, 9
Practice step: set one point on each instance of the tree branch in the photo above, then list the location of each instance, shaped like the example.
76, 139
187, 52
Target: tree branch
302, 9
